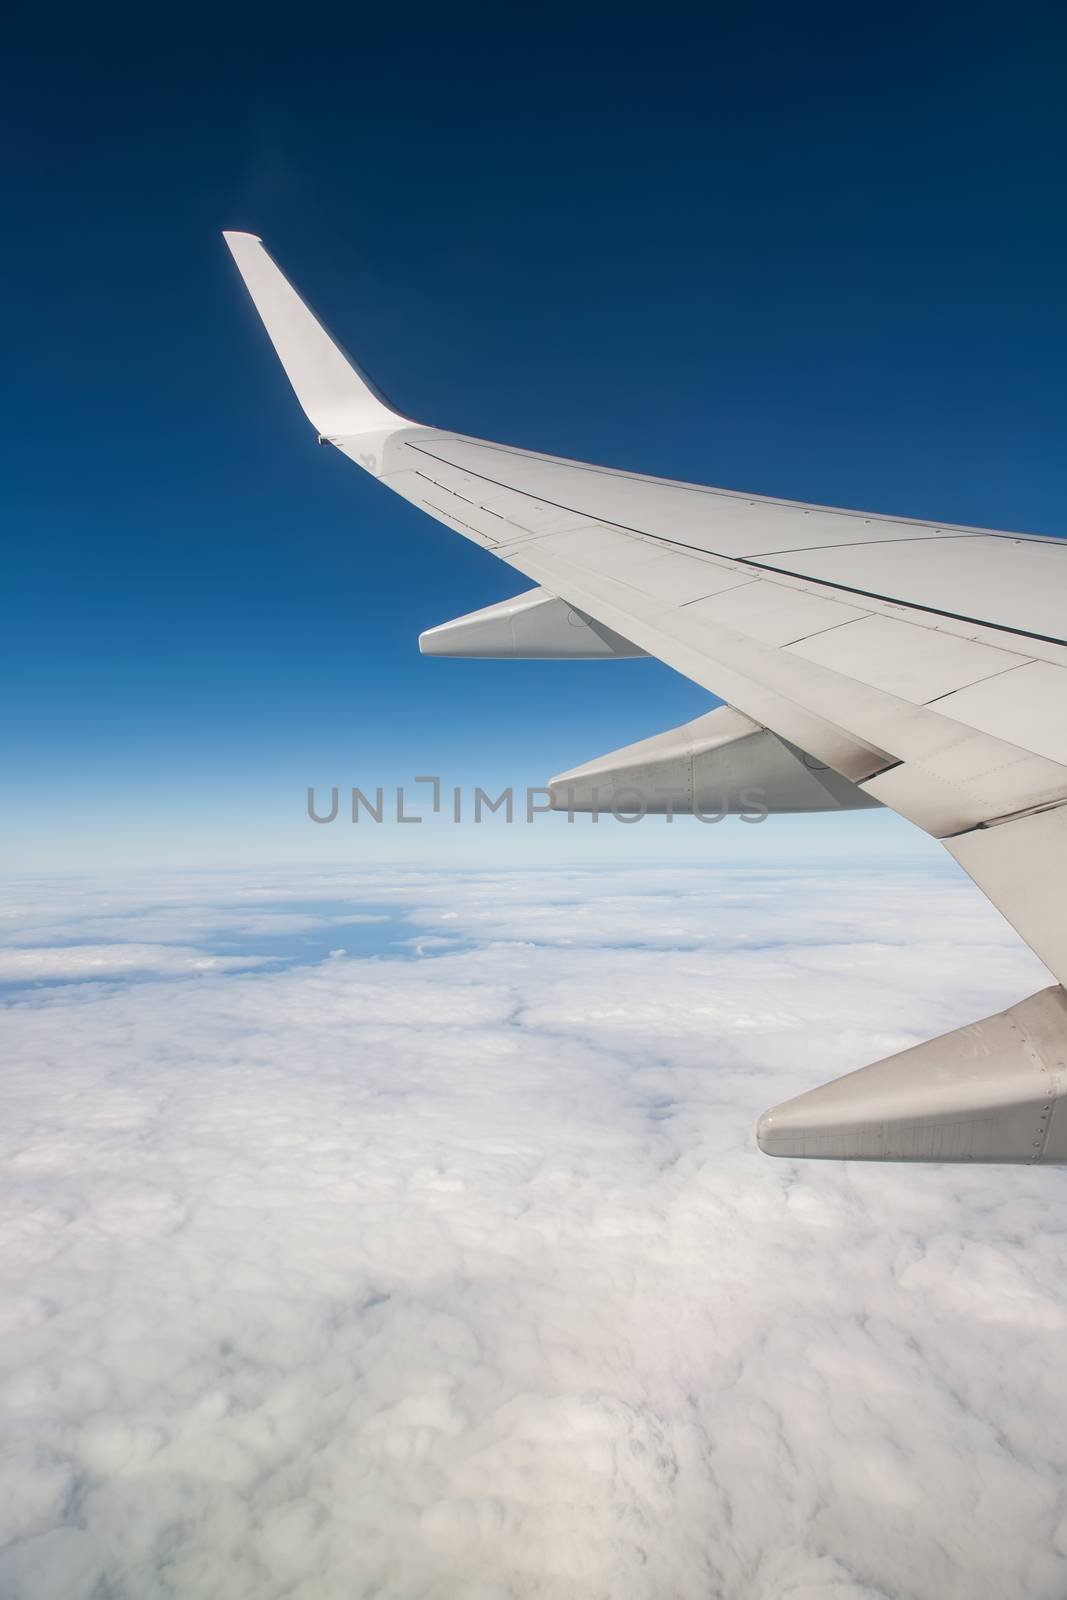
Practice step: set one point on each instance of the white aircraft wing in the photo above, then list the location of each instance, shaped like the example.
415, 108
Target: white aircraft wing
867, 660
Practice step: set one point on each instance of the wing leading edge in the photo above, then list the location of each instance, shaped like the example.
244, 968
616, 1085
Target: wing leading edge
923, 665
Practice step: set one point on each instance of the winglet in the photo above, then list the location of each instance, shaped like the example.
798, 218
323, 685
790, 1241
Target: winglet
337, 399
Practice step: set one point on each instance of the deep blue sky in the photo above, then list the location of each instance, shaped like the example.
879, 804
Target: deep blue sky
816, 251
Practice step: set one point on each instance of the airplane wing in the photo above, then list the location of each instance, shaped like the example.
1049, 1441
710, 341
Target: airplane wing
864, 660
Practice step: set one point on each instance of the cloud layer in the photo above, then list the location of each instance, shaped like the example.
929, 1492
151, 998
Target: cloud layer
460, 1274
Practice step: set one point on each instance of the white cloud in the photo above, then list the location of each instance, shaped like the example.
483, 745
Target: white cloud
462, 1276
80, 961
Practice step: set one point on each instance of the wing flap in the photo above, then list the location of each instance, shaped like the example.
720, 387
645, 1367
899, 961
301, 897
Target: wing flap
1023, 707
773, 614
915, 663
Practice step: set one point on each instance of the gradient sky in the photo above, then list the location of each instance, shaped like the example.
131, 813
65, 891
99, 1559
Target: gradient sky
815, 251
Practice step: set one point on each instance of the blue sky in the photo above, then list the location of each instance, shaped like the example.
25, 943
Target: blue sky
807, 251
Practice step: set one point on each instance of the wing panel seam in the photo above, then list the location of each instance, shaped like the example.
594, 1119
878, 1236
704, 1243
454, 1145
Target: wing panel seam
762, 566
747, 497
